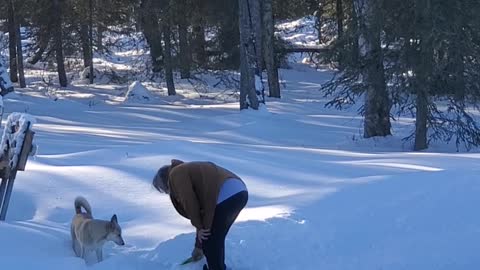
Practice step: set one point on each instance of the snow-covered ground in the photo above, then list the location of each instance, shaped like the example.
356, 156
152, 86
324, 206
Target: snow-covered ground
321, 197
299, 32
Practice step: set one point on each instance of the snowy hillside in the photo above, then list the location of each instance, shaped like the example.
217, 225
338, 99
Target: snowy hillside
298, 32
321, 197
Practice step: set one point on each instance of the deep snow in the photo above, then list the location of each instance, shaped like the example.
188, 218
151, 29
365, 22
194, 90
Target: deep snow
321, 197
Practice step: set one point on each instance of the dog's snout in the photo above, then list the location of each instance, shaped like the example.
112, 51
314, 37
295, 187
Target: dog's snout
120, 241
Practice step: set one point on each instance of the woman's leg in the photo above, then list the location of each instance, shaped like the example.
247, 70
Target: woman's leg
225, 215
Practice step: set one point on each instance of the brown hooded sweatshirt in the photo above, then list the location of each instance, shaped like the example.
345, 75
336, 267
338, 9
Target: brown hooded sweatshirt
194, 189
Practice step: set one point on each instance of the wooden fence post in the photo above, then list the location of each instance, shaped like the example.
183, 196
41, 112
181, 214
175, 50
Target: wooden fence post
10, 161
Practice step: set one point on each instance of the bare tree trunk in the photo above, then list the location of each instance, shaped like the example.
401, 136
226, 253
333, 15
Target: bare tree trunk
58, 42
229, 38
151, 31
84, 40
340, 17
257, 24
21, 70
354, 26
377, 103
100, 30
457, 55
423, 70
198, 42
185, 56
167, 35
269, 50
459, 78
248, 97
90, 47
101, 7
43, 41
12, 42
421, 119
319, 21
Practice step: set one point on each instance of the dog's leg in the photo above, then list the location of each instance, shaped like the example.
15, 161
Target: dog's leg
74, 241
76, 247
82, 251
99, 254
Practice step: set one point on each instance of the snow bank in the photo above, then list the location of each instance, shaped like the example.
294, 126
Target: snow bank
395, 223
138, 93
85, 74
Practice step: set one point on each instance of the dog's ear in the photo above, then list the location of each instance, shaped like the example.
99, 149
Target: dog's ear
114, 219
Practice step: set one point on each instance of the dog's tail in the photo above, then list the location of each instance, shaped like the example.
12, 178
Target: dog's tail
82, 202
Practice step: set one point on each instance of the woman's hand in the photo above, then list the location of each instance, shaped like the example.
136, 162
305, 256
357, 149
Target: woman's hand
203, 234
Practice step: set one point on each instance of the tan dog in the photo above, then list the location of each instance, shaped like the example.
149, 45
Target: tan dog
90, 234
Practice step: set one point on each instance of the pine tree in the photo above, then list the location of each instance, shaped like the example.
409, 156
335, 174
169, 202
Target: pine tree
269, 49
18, 42
184, 47
12, 44
248, 97
56, 9
377, 104
149, 22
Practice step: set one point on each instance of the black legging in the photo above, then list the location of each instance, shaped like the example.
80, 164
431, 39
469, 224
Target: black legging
225, 214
